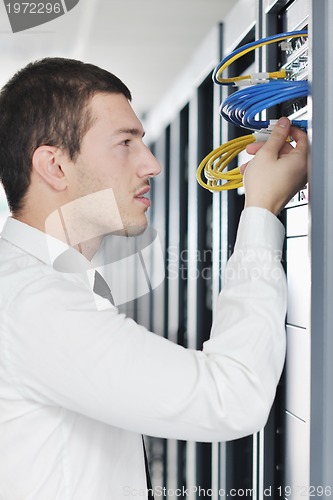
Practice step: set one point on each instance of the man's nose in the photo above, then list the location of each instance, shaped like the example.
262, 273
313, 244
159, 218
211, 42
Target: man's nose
149, 165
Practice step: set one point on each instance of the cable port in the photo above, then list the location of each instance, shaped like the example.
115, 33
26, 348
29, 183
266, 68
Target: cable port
296, 67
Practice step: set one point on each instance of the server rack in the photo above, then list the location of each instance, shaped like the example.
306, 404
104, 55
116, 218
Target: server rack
321, 106
291, 457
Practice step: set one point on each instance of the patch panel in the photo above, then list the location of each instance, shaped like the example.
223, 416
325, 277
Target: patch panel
294, 57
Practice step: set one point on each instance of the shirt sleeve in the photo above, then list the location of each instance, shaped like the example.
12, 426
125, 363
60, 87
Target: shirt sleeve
62, 351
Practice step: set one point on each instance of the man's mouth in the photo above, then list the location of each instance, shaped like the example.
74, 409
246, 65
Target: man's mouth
140, 196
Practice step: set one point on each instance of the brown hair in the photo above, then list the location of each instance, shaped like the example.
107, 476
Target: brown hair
46, 103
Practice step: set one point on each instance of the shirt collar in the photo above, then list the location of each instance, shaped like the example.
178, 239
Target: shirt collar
45, 248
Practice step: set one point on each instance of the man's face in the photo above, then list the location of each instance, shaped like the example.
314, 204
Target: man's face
113, 161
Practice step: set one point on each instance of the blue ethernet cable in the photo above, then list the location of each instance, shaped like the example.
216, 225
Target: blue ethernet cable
241, 107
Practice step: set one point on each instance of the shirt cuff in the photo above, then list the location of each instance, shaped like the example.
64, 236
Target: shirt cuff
259, 227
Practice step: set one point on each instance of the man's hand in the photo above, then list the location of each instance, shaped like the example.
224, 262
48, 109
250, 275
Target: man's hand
278, 170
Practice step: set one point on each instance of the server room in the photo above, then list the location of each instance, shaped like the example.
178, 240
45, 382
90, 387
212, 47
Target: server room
166, 218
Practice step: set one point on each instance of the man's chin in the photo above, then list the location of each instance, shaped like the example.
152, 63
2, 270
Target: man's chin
132, 230
136, 230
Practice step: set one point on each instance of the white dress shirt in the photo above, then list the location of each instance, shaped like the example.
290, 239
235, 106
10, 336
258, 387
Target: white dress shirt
79, 384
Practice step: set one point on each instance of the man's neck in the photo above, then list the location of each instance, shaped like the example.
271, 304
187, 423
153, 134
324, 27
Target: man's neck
89, 248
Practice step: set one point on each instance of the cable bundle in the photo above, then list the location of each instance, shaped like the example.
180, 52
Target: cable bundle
216, 162
245, 49
241, 108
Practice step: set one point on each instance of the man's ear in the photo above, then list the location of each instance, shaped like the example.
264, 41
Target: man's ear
46, 162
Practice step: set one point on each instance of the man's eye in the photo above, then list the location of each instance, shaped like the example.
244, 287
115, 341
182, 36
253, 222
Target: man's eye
126, 142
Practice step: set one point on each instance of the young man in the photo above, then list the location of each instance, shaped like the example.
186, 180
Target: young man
80, 384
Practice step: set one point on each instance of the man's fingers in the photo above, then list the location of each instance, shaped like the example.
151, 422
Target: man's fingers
254, 147
286, 148
242, 168
301, 139
278, 144
278, 137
